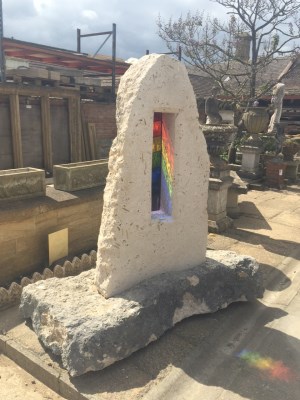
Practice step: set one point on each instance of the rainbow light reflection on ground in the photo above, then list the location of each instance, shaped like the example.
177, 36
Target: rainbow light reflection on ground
273, 369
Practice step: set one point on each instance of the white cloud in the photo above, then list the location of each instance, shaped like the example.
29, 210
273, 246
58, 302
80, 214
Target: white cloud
42, 6
89, 14
54, 22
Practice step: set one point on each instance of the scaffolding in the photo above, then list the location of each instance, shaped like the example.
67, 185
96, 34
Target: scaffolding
2, 56
108, 34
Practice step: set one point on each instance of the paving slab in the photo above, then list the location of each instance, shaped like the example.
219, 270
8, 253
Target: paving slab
257, 358
201, 358
17, 384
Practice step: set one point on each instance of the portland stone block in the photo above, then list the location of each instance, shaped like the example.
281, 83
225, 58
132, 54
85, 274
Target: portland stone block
136, 240
90, 332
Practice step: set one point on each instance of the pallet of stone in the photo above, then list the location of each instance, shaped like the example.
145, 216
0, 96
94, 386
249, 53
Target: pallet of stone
34, 73
13, 78
88, 81
108, 81
65, 79
54, 75
31, 81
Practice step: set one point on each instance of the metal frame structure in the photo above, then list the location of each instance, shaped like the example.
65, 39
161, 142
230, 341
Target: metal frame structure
2, 55
178, 53
113, 34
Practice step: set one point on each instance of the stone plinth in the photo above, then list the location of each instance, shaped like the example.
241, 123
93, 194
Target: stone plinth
22, 183
81, 175
89, 332
238, 187
218, 221
218, 138
136, 243
250, 161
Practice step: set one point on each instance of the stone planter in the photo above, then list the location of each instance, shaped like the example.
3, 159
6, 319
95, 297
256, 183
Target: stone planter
256, 120
218, 139
22, 183
81, 175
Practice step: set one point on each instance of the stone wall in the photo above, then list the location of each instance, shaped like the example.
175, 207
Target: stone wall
25, 225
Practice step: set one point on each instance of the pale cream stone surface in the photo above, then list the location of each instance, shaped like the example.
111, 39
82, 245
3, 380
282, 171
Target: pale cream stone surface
133, 246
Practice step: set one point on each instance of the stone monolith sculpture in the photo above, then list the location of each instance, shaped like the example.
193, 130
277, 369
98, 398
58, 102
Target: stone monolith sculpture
153, 269
137, 242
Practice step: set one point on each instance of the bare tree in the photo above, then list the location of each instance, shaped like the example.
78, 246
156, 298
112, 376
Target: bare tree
236, 52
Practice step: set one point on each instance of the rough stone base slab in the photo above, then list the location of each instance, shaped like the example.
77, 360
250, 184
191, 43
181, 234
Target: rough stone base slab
90, 332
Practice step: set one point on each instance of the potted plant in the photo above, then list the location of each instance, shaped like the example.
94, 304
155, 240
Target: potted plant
289, 148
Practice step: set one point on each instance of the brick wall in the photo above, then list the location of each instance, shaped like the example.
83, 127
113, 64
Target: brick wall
25, 225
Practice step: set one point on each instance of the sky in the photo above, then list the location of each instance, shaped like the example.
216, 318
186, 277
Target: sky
54, 22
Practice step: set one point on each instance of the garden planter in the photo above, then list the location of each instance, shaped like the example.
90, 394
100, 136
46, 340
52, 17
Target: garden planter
256, 120
81, 175
22, 183
275, 173
218, 138
289, 150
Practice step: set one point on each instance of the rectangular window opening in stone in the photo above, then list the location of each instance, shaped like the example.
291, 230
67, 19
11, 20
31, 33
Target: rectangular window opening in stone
162, 165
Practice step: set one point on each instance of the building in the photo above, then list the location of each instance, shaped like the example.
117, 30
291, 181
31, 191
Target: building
56, 106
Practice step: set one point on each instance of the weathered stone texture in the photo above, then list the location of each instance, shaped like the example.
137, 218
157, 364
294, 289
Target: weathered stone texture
22, 183
90, 332
81, 175
133, 245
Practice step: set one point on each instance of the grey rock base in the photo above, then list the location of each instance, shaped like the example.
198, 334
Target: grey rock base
90, 332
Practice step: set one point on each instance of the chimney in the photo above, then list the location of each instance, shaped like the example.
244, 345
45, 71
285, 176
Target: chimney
242, 49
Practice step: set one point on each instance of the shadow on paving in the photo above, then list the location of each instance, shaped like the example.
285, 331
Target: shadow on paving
295, 187
256, 219
264, 366
215, 342
273, 279
232, 349
285, 248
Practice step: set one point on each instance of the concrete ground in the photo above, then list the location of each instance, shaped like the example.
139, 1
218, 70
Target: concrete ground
247, 351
